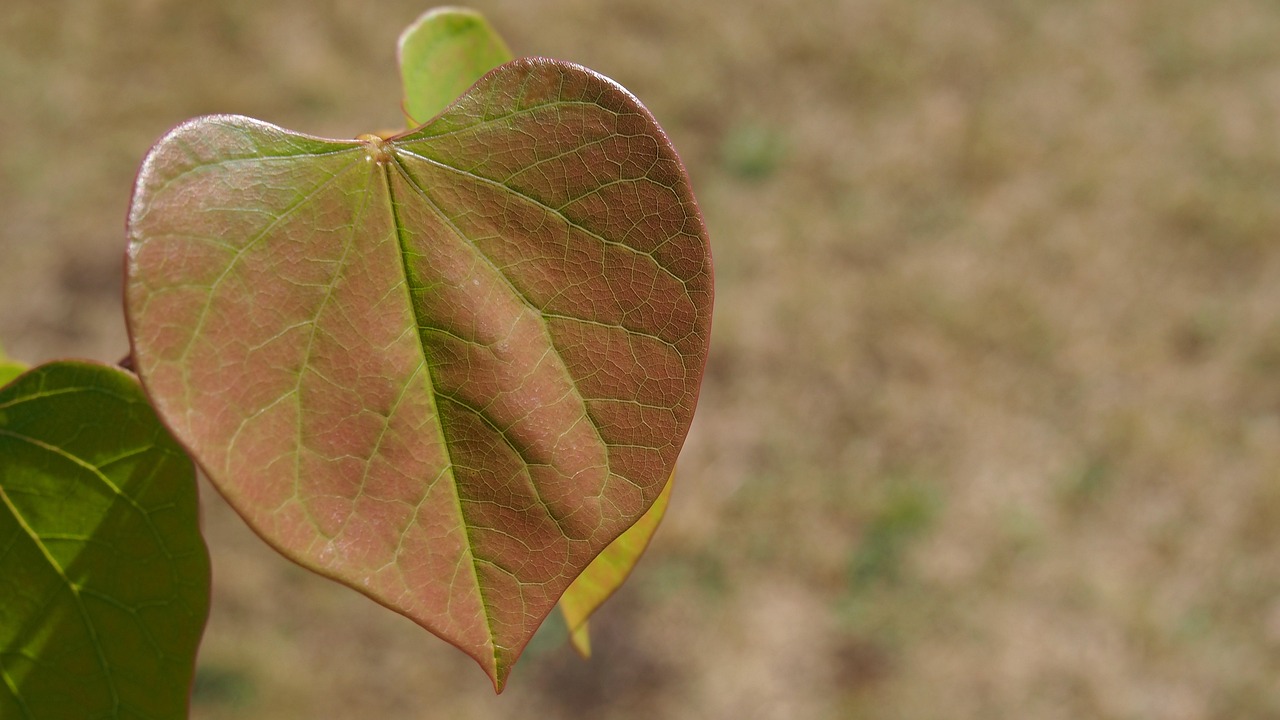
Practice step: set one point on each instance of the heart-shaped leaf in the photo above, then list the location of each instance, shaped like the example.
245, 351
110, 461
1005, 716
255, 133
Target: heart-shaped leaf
447, 369
607, 572
441, 55
104, 578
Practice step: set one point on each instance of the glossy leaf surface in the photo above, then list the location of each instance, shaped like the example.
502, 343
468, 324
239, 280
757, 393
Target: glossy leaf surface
104, 577
607, 572
441, 55
447, 369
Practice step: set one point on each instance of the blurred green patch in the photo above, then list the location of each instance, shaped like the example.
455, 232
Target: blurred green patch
1085, 487
701, 572
752, 151
552, 635
222, 686
1194, 625
907, 512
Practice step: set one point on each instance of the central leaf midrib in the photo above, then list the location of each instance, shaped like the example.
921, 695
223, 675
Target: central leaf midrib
439, 421
525, 300
520, 294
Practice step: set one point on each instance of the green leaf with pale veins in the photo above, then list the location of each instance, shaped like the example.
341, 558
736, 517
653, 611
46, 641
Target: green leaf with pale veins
9, 368
448, 368
607, 572
104, 577
441, 55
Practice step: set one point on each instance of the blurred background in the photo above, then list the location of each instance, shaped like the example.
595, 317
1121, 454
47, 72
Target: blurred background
991, 425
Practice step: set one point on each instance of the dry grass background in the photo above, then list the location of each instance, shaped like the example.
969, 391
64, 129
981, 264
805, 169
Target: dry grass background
991, 427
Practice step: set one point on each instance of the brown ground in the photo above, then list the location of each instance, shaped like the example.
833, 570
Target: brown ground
991, 427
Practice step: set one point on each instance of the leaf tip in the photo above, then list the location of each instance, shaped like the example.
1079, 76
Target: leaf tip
580, 639
499, 678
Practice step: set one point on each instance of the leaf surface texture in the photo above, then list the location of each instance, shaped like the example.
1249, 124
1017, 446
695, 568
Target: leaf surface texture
104, 577
447, 369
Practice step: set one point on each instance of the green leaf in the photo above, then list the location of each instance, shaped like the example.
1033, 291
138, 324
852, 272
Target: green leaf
580, 637
608, 571
9, 368
441, 55
448, 368
104, 577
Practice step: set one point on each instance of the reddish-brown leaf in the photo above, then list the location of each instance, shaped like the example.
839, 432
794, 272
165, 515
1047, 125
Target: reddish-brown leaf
447, 369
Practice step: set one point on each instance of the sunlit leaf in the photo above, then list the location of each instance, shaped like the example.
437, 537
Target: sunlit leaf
580, 637
448, 368
104, 578
441, 55
608, 571
9, 368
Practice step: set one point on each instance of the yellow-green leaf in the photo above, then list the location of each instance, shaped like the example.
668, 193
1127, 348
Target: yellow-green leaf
580, 637
441, 55
9, 368
608, 571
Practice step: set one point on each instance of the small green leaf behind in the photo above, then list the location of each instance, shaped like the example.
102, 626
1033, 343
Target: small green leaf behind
608, 571
9, 368
441, 55
446, 368
104, 577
